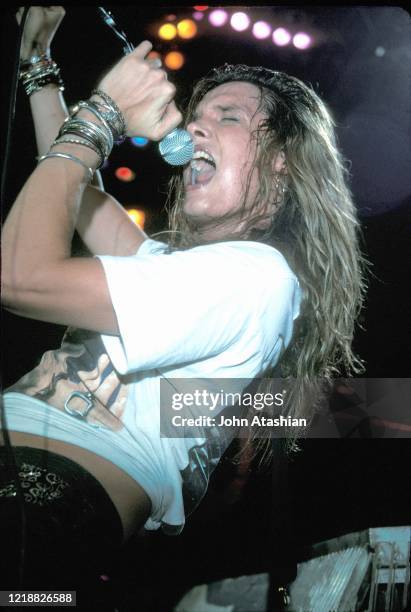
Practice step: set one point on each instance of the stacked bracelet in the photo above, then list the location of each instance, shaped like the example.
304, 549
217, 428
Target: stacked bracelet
39, 71
99, 137
84, 143
111, 113
92, 108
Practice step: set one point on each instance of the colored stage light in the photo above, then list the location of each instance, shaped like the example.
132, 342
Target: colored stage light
261, 29
301, 40
167, 31
125, 174
239, 21
281, 37
218, 18
198, 16
139, 141
187, 28
201, 7
138, 216
174, 60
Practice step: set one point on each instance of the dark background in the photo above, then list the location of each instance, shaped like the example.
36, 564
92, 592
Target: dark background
333, 486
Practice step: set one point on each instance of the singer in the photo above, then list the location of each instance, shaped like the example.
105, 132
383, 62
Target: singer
262, 270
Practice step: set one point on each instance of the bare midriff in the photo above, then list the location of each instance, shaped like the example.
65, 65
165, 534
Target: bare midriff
130, 500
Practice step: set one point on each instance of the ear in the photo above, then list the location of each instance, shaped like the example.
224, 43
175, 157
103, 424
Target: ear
280, 164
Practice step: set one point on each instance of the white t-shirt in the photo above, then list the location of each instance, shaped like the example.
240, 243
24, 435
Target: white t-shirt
218, 311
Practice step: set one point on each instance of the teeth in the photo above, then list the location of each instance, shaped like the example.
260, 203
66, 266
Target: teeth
202, 155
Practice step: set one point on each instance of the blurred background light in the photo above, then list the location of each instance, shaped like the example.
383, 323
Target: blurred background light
167, 31
281, 37
174, 60
261, 29
125, 174
218, 18
186, 28
138, 216
301, 40
239, 21
198, 16
139, 141
200, 7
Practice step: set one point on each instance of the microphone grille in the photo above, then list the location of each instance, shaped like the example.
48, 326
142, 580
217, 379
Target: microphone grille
177, 148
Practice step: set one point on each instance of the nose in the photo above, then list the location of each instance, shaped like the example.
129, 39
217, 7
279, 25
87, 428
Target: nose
198, 128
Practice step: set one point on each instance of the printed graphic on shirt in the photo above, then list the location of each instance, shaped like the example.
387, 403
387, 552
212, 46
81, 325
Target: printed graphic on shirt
80, 376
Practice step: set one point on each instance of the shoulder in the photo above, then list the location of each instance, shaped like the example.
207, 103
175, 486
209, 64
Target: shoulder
225, 266
252, 259
150, 246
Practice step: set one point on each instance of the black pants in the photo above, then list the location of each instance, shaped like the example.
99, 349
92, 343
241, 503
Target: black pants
61, 519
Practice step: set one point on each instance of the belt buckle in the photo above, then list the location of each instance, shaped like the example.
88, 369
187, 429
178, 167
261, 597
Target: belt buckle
82, 413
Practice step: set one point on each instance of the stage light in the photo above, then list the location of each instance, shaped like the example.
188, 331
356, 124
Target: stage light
187, 28
218, 18
174, 60
301, 40
139, 141
168, 31
239, 21
261, 29
200, 7
198, 16
281, 37
125, 174
137, 215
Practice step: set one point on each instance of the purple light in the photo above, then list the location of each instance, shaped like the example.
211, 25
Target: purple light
281, 37
218, 18
240, 22
261, 29
301, 40
198, 16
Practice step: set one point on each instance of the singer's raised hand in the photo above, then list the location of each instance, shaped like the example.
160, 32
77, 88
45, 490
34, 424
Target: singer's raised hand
41, 25
144, 95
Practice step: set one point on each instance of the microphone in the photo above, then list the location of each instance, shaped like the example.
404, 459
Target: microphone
177, 148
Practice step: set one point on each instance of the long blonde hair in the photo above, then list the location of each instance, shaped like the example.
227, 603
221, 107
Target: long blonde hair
316, 228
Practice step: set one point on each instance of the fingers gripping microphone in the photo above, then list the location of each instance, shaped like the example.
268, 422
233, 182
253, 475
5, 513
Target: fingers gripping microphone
177, 148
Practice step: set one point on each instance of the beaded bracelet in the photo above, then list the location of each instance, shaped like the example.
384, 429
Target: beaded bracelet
84, 143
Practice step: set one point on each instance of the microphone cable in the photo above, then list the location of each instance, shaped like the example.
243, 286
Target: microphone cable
177, 148
108, 20
10, 458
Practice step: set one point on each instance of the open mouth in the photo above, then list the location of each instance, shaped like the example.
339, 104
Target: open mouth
202, 168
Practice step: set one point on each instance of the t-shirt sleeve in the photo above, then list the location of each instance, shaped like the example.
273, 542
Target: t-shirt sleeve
187, 305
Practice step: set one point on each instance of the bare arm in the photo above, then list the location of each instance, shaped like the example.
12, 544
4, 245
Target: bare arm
102, 223
40, 278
